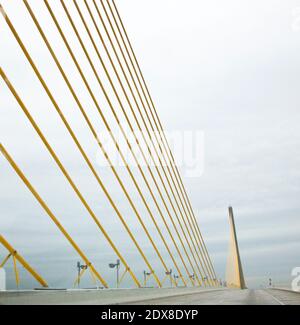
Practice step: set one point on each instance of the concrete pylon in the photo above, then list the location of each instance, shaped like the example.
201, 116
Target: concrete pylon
234, 271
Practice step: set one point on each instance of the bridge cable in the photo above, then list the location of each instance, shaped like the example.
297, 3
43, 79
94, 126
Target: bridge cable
149, 135
93, 42
161, 133
16, 256
95, 47
161, 164
46, 208
102, 148
81, 150
96, 74
76, 142
130, 88
146, 111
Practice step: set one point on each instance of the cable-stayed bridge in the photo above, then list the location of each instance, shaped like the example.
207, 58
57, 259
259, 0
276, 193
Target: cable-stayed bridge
104, 28
103, 80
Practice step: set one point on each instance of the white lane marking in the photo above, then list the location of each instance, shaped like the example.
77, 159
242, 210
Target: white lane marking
277, 300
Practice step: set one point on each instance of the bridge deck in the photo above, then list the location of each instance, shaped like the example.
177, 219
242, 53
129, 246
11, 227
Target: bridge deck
94, 297
231, 297
151, 296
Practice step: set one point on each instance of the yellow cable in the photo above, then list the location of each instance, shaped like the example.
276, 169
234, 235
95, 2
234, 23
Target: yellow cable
99, 14
79, 146
106, 71
97, 139
136, 104
158, 122
65, 173
14, 253
47, 210
5, 260
84, 79
99, 81
134, 67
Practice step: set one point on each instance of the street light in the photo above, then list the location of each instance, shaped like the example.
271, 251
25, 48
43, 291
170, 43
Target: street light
146, 274
117, 266
176, 277
192, 276
170, 274
80, 267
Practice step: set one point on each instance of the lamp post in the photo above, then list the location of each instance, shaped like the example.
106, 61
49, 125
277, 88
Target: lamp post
117, 266
146, 274
175, 278
170, 274
80, 267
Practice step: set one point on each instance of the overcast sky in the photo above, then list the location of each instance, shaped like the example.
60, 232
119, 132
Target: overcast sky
227, 70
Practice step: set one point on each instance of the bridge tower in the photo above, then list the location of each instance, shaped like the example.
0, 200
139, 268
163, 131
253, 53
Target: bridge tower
234, 271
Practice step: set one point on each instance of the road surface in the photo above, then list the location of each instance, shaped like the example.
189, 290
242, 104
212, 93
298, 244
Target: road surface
230, 297
151, 296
